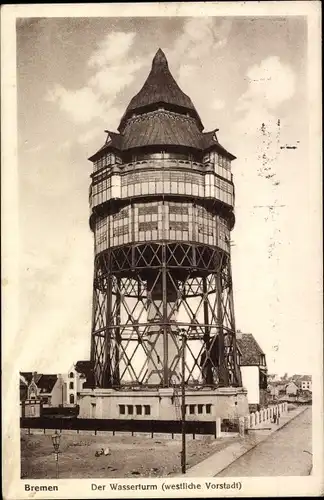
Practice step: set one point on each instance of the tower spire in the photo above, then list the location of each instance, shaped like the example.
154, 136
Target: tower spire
159, 60
160, 88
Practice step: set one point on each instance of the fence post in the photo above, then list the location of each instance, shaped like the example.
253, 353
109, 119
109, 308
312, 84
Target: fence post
241, 426
218, 428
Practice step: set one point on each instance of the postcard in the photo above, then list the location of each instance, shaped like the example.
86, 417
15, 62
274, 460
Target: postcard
162, 267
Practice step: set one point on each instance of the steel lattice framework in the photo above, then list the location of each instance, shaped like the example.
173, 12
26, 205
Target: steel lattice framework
200, 276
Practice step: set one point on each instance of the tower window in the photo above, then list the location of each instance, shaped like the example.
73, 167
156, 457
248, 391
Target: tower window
147, 409
71, 399
138, 410
191, 409
121, 409
71, 375
208, 408
200, 409
130, 409
71, 386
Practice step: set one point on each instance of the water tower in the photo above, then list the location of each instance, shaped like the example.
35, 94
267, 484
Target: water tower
161, 200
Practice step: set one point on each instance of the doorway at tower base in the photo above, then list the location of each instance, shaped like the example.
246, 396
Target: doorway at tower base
163, 404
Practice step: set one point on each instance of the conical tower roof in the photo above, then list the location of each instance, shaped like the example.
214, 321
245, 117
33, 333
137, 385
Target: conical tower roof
161, 88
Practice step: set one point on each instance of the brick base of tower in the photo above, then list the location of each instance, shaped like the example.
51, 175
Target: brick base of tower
163, 404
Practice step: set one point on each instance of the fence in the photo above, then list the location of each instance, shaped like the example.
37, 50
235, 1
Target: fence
116, 425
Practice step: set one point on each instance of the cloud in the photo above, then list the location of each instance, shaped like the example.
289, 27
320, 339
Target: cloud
112, 72
269, 84
112, 79
195, 58
218, 104
201, 36
81, 105
114, 47
90, 135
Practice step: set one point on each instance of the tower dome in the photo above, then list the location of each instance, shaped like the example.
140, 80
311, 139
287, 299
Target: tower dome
160, 88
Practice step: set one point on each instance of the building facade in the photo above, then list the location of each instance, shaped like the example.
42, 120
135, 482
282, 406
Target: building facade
306, 383
253, 369
77, 377
292, 389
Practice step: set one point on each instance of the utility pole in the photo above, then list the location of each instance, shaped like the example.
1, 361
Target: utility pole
183, 404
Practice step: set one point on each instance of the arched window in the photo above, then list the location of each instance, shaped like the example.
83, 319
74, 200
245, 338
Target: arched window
71, 385
72, 399
71, 375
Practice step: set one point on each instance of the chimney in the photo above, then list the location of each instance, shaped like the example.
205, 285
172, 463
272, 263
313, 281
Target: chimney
238, 334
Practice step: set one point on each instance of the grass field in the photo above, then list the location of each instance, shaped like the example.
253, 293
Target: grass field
129, 456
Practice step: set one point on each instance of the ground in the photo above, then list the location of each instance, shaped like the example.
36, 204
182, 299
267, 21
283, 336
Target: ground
287, 452
130, 456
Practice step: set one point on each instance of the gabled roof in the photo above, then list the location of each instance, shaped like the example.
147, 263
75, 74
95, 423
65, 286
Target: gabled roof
27, 376
291, 382
113, 142
160, 87
250, 350
209, 141
46, 382
305, 378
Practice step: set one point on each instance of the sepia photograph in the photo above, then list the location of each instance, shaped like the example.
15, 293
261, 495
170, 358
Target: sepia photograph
168, 303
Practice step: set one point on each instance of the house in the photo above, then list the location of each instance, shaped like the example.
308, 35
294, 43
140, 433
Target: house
79, 376
292, 389
306, 383
253, 369
25, 379
51, 389
30, 404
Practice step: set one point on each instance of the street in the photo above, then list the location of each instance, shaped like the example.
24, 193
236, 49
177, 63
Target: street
285, 453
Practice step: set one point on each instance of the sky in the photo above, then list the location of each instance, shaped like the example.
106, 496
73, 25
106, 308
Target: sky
245, 76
